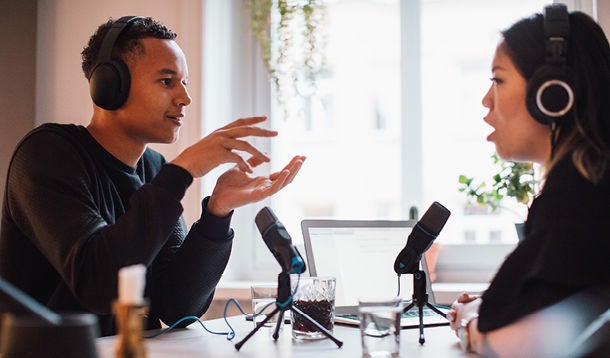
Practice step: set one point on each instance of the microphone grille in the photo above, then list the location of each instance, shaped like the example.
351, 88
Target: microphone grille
435, 218
264, 219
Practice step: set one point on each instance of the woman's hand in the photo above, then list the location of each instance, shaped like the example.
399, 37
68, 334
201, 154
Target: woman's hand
465, 307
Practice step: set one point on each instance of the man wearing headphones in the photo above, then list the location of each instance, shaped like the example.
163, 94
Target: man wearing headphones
83, 202
549, 103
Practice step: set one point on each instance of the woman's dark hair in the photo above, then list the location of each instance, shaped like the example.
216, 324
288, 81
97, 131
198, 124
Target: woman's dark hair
127, 43
586, 132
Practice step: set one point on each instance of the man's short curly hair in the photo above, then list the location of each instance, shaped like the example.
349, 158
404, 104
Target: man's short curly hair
127, 43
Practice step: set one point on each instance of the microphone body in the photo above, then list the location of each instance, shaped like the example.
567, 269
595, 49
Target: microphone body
279, 242
16, 301
423, 234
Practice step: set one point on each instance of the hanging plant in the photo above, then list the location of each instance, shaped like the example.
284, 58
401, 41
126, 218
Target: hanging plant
292, 41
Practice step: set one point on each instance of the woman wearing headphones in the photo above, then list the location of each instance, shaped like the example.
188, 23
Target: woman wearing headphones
549, 102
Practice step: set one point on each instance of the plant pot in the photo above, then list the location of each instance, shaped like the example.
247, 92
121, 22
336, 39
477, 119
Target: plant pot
520, 228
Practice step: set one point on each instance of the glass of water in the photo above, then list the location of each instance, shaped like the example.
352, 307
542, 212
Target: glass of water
263, 302
380, 326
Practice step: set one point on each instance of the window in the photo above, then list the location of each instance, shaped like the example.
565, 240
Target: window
354, 135
351, 130
380, 135
395, 122
456, 64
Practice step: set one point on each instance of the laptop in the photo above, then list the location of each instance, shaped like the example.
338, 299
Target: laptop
361, 255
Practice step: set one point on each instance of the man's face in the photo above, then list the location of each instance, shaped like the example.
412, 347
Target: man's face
158, 95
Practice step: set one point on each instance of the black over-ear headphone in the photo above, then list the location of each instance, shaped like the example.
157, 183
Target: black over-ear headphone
109, 80
549, 93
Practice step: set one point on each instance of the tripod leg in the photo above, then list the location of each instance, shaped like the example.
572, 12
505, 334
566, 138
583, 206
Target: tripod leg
258, 326
422, 339
278, 325
318, 326
408, 307
436, 309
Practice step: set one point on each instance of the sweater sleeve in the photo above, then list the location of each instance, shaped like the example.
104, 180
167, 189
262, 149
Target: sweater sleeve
174, 179
189, 277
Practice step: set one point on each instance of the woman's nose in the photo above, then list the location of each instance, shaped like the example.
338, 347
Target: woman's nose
487, 99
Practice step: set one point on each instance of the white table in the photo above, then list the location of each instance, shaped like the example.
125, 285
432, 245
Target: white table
194, 341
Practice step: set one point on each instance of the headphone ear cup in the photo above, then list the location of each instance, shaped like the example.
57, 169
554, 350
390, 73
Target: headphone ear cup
549, 94
109, 84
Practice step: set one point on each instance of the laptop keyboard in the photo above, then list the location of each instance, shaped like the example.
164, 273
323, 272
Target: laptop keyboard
413, 312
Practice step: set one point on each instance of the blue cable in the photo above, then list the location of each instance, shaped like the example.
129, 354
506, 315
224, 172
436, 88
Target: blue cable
231, 333
255, 314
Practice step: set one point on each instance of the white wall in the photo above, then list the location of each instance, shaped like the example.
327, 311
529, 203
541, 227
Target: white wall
62, 92
603, 15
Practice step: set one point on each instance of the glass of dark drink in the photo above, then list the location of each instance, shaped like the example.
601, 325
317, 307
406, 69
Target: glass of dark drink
314, 296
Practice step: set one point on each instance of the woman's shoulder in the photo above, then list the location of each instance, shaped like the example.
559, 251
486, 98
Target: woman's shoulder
566, 178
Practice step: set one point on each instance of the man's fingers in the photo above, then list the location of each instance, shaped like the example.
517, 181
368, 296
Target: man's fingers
246, 121
235, 158
293, 167
257, 158
255, 161
278, 183
247, 131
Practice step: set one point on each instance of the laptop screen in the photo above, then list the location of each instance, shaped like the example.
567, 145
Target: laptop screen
360, 254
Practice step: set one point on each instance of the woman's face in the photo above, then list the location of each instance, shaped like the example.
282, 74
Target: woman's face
517, 135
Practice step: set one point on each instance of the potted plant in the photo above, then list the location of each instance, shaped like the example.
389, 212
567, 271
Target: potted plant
514, 180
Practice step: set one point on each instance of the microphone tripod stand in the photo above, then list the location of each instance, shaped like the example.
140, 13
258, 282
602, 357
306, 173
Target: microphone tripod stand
283, 303
420, 299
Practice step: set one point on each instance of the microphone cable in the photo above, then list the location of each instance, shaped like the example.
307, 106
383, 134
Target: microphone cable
231, 333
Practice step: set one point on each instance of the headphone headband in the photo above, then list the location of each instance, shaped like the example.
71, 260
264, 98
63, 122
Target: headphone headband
556, 21
556, 31
105, 52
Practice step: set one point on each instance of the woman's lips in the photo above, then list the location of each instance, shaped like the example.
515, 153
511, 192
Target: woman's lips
490, 136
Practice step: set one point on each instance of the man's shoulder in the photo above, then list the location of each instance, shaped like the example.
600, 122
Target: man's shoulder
54, 130
51, 140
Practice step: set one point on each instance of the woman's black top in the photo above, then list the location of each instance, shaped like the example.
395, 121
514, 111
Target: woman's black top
566, 249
